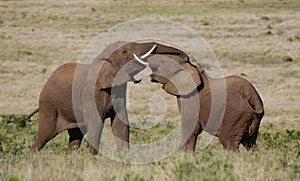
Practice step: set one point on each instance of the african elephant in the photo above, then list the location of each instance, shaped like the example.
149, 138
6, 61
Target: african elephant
79, 97
236, 115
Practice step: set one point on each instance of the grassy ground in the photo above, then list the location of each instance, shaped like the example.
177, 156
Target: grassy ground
259, 40
277, 158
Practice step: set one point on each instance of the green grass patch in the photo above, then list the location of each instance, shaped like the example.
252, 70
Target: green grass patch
278, 156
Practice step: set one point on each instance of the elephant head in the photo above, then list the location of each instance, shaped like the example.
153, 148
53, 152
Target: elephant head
178, 75
120, 61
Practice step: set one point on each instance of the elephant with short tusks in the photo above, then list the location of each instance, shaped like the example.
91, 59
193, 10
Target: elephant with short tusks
79, 97
236, 115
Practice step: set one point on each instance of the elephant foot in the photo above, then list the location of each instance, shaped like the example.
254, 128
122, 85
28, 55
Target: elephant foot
185, 150
234, 146
74, 146
76, 136
249, 146
91, 150
254, 147
190, 145
188, 148
33, 150
122, 146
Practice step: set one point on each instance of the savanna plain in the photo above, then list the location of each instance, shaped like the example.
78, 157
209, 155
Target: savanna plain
258, 40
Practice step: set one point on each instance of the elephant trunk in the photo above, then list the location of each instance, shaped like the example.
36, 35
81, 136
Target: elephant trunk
164, 49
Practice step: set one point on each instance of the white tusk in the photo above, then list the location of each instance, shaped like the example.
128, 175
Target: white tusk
139, 60
148, 53
144, 56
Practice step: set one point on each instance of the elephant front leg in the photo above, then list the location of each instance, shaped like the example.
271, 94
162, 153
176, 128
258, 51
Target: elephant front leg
190, 126
120, 125
189, 145
94, 131
189, 139
120, 131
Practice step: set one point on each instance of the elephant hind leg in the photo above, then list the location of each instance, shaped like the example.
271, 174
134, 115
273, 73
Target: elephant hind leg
250, 135
46, 128
249, 142
254, 132
232, 140
230, 144
75, 138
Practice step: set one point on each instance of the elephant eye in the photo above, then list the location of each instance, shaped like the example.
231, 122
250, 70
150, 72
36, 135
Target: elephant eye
124, 51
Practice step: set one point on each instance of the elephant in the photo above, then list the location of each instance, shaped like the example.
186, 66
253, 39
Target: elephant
79, 97
237, 111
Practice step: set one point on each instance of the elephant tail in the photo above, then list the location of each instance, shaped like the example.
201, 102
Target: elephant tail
254, 101
33, 113
253, 127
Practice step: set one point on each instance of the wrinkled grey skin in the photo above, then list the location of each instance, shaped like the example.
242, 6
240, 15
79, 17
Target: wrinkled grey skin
79, 97
242, 106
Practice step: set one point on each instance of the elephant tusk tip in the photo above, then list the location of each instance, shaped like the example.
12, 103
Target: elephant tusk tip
149, 52
139, 60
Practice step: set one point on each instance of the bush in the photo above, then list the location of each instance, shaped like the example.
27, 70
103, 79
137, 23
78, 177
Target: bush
13, 132
19, 121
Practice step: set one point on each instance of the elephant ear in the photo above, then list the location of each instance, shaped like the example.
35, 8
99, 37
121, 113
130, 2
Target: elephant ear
183, 82
107, 77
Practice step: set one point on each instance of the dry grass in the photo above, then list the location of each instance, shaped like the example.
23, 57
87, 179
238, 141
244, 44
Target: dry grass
258, 40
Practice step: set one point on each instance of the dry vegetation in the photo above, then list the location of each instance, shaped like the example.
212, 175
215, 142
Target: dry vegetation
259, 40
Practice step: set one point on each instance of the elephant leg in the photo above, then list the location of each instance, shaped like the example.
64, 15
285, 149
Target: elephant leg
253, 141
231, 145
94, 131
46, 129
250, 142
75, 138
231, 140
250, 134
119, 120
120, 130
190, 143
254, 134
190, 125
